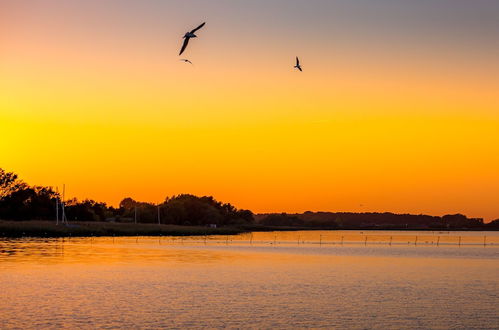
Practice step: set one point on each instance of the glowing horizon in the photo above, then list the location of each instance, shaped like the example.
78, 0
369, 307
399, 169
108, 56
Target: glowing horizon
396, 110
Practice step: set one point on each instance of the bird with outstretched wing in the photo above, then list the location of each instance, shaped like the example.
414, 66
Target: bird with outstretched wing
188, 36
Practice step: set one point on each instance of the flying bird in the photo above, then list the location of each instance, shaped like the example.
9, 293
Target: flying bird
297, 66
188, 36
186, 61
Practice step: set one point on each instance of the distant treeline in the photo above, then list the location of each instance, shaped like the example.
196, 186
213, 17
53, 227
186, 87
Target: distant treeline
20, 201
371, 220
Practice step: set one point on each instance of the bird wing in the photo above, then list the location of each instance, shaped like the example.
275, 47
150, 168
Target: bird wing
297, 61
184, 45
193, 31
299, 68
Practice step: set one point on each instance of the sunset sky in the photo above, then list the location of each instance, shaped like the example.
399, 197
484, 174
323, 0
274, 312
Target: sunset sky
397, 108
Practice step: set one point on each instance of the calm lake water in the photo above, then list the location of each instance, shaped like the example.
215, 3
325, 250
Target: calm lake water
328, 279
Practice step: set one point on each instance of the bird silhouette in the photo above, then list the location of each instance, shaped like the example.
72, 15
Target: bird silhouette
298, 66
188, 36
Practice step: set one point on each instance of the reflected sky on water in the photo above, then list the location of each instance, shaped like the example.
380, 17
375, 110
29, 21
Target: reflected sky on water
153, 282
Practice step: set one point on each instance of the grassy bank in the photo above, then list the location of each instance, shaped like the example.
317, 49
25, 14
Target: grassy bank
86, 229
35, 228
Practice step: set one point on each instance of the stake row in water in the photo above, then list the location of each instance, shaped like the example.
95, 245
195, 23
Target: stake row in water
321, 241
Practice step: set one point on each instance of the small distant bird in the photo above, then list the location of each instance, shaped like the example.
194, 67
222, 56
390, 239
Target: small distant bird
297, 66
186, 60
188, 36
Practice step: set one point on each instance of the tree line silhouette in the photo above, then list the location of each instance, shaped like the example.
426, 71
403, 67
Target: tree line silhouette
20, 201
373, 220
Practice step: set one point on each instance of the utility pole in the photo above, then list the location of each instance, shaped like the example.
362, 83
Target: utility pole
159, 216
57, 206
63, 219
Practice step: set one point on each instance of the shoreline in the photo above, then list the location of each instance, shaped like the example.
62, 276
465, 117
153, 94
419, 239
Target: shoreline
35, 228
39, 228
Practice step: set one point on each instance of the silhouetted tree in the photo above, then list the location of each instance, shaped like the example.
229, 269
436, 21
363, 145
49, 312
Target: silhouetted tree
494, 224
188, 209
382, 220
282, 219
19, 201
87, 210
9, 183
128, 203
28, 203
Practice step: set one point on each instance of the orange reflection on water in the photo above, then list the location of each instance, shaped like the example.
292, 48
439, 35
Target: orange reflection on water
208, 249
153, 282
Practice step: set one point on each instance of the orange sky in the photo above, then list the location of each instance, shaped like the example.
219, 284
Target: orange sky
397, 115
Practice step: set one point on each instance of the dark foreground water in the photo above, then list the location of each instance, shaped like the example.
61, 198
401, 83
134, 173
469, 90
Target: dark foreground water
391, 280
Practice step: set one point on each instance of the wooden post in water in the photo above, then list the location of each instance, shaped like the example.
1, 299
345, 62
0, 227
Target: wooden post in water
365, 241
298, 239
251, 239
342, 237
438, 240
320, 240
459, 241
391, 238
484, 240
416, 241
227, 240
275, 240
